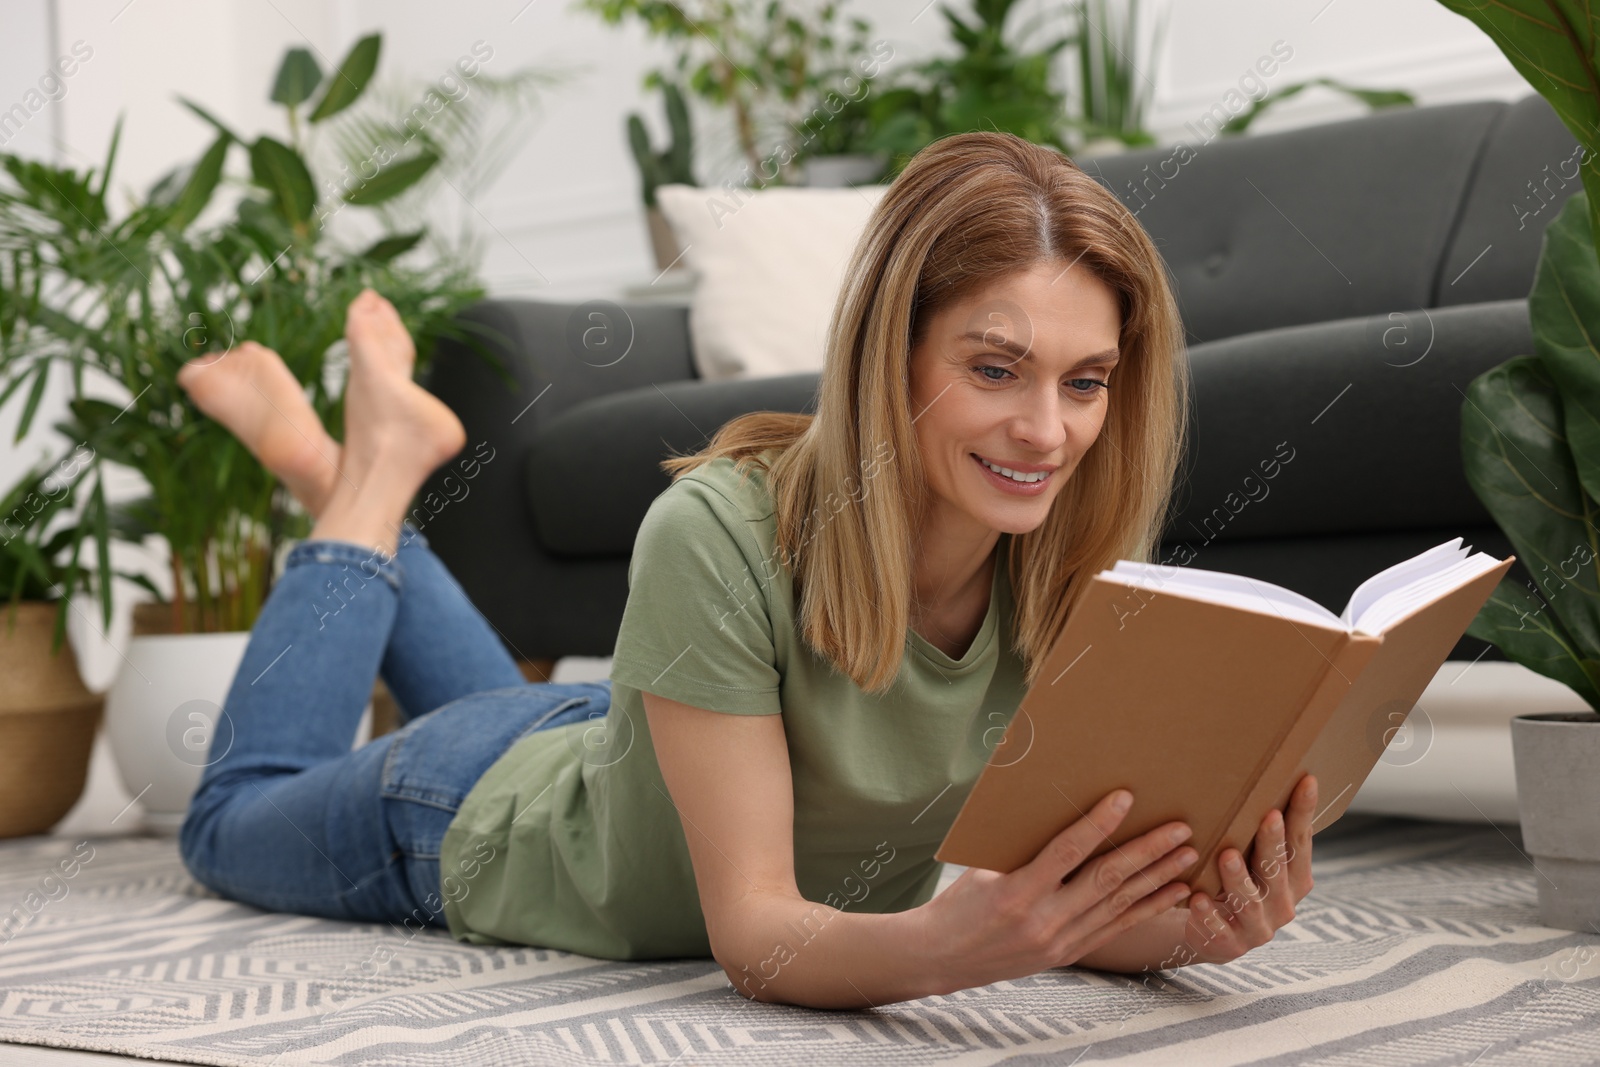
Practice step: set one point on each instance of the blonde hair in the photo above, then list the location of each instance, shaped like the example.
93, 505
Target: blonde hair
968, 209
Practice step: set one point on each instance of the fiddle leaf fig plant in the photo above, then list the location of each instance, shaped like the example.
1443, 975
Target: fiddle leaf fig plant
1530, 428
1553, 44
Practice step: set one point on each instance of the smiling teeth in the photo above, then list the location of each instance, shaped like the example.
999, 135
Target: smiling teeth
1014, 475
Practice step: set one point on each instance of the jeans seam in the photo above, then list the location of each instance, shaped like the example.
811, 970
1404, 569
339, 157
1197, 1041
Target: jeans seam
387, 787
227, 889
342, 553
552, 713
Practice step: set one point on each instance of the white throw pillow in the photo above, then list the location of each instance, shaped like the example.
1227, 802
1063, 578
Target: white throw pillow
769, 264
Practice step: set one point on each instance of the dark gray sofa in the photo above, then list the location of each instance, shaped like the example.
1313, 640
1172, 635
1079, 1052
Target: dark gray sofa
1340, 286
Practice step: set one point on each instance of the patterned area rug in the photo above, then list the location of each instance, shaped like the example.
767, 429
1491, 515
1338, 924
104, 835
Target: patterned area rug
1419, 944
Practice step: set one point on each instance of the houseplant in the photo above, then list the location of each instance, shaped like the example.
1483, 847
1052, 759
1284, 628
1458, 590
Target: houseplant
999, 79
1530, 437
768, 63
124, 302
48, 716
672, 165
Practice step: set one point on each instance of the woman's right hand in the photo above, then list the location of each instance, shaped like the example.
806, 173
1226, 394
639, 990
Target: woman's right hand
1057, 908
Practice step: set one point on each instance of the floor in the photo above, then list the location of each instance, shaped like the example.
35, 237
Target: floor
107, 807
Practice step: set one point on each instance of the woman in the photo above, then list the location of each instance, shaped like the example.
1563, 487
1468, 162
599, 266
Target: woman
829, 620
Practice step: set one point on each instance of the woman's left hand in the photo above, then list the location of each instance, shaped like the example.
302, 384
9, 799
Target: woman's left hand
1253, 909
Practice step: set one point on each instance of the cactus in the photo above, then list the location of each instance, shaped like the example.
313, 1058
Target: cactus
674, 163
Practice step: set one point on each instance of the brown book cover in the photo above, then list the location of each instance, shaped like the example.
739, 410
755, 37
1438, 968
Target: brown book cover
1209, 713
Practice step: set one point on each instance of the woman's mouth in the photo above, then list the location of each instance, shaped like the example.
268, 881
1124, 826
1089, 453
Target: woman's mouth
1015, 482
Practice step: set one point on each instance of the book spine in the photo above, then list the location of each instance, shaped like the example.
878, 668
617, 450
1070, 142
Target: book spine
1274, 779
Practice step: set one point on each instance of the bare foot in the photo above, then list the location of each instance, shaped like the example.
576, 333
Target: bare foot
250, 391
396, 432
383, 406
373, 328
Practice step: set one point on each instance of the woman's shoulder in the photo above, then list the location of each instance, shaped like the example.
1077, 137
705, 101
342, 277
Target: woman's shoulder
732, 488
720, 507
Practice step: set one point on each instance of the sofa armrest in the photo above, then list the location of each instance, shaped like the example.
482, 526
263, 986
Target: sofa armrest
474, 510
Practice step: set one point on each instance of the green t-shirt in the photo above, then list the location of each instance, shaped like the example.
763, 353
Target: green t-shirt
570, 839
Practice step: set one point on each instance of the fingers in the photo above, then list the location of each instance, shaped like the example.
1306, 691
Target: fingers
1302, 812
1118, 884
1058, 862
1084, 937
1072, 846
1258, 897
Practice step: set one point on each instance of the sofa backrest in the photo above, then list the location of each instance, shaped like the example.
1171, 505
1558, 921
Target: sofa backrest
1307, 225
1528, 169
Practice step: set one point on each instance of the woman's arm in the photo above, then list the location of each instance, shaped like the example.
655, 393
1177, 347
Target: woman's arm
729, 779
730, 782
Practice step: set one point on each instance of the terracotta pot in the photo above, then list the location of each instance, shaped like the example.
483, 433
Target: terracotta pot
48, 719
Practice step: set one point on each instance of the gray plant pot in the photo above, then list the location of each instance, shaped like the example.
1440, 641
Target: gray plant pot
1557, 756
838, 171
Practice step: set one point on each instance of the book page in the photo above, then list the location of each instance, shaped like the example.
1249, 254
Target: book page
1378, 603
1219, 587
1389, 579
1395, 605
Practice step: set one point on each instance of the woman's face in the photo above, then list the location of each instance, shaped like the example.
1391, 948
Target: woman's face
1015, 375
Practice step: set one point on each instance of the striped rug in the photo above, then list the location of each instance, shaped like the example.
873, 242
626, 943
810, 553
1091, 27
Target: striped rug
1420, 944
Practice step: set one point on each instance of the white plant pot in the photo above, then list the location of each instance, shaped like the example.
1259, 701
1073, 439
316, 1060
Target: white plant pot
160, 714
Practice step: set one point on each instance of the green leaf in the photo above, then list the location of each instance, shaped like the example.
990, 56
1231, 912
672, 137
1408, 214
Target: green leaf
202, 183
1517, 460
111, 158
1524, 628
210, 118
102, 545
280, 170
1552, 47
392, 180
1373, 98
41, 375
388, 248
298, 77
1564, 308
350, 80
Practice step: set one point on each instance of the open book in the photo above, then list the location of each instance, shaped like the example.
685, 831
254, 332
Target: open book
1208, 695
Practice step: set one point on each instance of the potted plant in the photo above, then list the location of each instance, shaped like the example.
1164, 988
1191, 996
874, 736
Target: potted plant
1530, 438
998, 80
671, 165
125, 302
769, 64
48, 716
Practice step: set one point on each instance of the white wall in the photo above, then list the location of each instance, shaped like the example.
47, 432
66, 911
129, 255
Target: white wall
566, 217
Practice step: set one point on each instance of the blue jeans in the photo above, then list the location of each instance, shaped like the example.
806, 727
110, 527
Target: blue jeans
287, 817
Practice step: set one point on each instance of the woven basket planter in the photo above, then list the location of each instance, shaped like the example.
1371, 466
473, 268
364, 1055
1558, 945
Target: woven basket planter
48, 720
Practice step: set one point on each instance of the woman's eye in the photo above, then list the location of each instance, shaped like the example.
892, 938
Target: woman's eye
988, 367
1087, 385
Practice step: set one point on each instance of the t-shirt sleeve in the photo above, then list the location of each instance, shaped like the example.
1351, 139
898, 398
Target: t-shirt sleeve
697, 628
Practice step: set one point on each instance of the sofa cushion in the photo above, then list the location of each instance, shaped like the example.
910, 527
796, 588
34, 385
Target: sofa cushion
593, 470
1308, 225
1349, 427
1528, 170
770, 263
1306, 431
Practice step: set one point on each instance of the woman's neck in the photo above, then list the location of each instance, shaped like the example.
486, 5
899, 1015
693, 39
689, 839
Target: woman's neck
951, 579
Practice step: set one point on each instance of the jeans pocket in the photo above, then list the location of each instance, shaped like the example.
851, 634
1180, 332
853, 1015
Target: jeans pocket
437, 758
